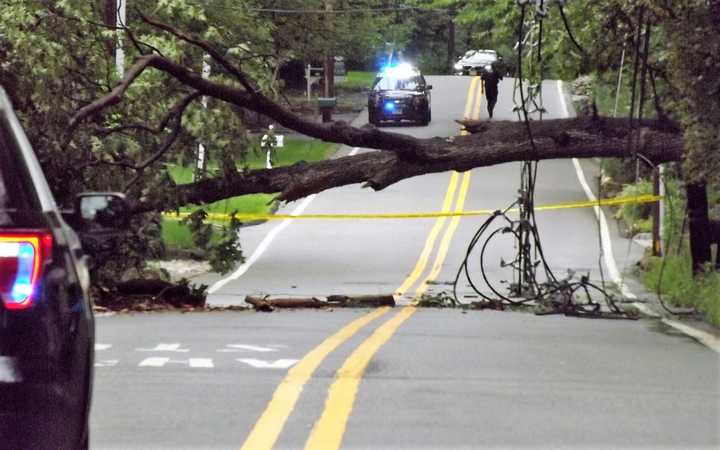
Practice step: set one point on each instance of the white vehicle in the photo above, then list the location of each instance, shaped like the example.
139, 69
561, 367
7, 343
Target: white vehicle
474, 61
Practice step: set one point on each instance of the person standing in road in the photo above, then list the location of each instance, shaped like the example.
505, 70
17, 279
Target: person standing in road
491, 78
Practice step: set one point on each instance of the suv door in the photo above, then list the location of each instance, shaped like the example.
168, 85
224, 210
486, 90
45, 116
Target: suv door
46, 324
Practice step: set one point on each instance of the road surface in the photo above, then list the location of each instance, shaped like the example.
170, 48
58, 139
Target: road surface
405, 378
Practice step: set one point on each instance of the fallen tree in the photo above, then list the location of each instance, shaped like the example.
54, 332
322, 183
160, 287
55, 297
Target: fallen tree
398, 157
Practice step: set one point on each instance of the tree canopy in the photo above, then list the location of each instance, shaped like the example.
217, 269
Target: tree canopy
94, 128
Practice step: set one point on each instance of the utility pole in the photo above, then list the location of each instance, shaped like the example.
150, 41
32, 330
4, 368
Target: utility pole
201, 163
329, 65
327, 103
120, 21
114, 17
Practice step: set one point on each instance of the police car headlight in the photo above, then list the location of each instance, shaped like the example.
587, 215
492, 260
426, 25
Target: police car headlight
458, 66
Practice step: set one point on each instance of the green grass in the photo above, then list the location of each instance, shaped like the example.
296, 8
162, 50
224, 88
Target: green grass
178, 236
357, 80
636, 216
680, 288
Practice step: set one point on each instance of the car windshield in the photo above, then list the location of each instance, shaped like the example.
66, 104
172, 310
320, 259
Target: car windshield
391, 83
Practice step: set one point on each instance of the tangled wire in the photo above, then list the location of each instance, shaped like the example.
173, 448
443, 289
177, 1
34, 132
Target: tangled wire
569, 296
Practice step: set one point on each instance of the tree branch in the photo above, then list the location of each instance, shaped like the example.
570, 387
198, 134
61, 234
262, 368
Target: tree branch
113, 98
501, 142
407, 147
206, 47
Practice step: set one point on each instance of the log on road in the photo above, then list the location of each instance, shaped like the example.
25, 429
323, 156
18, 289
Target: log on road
266, 303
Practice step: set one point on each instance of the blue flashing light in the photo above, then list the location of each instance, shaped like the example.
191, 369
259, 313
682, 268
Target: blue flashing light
399, 71
389, 106
23, 286
21, 290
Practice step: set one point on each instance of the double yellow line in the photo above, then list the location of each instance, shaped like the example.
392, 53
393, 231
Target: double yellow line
328, 431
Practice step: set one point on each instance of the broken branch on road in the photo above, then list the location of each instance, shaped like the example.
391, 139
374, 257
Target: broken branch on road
267, 304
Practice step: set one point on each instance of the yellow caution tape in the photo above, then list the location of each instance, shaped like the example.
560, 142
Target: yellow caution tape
637, 199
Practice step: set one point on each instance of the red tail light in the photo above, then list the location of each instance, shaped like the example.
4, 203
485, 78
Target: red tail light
22, 256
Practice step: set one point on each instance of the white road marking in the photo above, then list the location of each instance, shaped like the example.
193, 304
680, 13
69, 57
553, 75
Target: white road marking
262, 364
265, 243
175, 347
706, 338
101, 347
246, 348
107, 363
9, 373
563, 103
156, 361
613, 270
604, 229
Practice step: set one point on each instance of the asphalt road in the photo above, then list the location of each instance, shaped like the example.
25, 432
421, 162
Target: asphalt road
405, 378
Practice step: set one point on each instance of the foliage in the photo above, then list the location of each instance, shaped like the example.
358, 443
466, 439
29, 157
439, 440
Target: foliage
636, 216
57, 56
357, 81
220, 247
672, 275
678, 285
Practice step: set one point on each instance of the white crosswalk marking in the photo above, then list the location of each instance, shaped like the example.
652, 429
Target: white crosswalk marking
107, 363
160, 361
230, 348
174, 347
262, 364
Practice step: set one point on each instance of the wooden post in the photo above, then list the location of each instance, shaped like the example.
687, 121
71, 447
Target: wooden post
657, 216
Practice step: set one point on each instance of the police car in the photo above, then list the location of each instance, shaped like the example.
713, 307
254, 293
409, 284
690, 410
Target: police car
46, 318
399, 93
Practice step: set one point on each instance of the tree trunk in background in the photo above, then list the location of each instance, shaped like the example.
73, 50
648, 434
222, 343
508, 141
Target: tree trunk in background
699, 224
451, 44
109, 15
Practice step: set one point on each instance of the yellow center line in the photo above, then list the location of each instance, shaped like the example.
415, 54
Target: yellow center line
328, 432
478, 102
447, 238
267, 429
447, 204
430, 241
470, 100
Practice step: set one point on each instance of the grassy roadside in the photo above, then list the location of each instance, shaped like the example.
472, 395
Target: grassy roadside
680, 288
177, 236
671, 275
356, 81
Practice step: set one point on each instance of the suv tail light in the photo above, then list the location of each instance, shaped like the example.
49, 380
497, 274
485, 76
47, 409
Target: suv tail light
23, 254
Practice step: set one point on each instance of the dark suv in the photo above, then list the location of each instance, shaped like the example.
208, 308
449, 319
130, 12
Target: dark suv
46, 319
399, 93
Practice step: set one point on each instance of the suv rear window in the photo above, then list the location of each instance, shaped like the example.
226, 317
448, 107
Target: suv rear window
390, 83
16, 190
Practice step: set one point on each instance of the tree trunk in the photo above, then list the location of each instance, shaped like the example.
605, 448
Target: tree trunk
451, 44
699, 224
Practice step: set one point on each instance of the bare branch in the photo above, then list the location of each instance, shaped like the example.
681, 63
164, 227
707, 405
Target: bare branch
175, 111
113, 98
206, 47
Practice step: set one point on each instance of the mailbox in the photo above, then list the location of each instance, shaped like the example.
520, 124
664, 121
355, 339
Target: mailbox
327, 102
